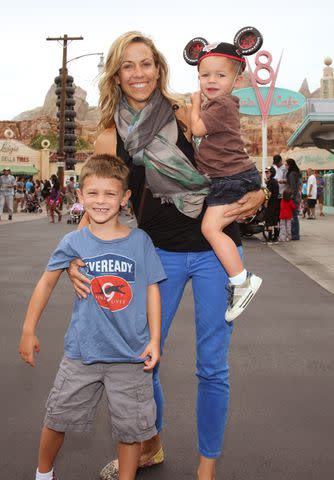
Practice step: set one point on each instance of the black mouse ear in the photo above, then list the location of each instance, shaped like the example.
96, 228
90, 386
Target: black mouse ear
193, 49
248, 40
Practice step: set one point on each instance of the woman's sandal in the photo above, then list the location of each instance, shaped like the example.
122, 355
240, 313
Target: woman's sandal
111, 470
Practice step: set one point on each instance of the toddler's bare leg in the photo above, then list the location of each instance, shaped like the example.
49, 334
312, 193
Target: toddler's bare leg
224, 247
50, 444
128, 457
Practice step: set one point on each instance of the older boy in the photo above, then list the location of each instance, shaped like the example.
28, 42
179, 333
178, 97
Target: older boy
113, 340
221, 155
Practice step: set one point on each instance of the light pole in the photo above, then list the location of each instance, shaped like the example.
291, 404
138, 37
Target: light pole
101, 62
70, 125
63, 79
63, 73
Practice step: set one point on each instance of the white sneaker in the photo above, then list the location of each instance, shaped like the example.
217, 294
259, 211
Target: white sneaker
241, 295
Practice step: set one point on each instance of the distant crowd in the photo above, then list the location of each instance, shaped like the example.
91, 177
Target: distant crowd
284, 181
23, 194
292, 196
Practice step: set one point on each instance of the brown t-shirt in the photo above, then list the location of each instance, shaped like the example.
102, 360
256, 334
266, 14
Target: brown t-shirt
222, 152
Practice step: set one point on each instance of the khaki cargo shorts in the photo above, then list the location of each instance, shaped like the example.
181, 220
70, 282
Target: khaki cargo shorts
78, 388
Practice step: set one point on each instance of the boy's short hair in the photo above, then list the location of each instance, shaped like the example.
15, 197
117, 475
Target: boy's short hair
105, 166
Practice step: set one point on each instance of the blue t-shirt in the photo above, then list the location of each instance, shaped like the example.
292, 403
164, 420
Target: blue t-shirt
110, 325
29, 185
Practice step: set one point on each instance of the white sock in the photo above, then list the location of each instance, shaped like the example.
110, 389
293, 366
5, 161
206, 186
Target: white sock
239, 279
44, 476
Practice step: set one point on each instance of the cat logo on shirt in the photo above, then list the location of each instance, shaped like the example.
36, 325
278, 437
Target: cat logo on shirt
111, 292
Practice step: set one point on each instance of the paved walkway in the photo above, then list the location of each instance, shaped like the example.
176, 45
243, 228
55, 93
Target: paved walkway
314, 253
281, 362
22, 217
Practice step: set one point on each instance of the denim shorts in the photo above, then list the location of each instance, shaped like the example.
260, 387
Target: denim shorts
78, 389
225, 190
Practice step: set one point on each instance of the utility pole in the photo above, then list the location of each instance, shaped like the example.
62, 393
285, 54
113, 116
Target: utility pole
60, 153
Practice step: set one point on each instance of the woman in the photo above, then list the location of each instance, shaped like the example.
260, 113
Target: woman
293, 178
134, 94
38, 189
272, 211
54, 199
19, 193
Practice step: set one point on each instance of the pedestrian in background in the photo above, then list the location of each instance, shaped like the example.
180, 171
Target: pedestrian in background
272, 207
311, 193
293, 178
287, 208
19, 193
7, 185
38, 189
320, 192
280, 173
54, 200
70, 195
29, 185
305, 209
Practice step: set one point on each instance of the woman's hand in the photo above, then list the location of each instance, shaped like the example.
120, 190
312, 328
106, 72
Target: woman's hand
247, 205
78, 279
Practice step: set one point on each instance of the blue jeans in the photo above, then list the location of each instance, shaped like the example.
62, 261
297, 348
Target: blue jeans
295, 223
213, 335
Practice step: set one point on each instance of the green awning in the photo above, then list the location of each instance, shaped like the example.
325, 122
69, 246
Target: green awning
21, 169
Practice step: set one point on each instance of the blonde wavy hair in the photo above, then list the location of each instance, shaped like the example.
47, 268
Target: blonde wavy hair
110, 91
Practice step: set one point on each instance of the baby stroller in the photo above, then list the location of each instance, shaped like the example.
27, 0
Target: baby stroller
32, 203
76, 212
254, 224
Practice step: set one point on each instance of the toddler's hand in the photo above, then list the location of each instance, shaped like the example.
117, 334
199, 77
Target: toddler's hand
29, 344
196, 98
152, 351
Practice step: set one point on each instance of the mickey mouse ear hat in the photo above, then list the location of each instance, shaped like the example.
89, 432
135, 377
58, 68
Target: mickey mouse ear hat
247, 41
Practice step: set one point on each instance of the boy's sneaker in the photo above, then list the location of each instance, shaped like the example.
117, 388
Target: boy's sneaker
53, 476
241, 295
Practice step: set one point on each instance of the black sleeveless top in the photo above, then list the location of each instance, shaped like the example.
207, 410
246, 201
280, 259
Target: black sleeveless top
168, 228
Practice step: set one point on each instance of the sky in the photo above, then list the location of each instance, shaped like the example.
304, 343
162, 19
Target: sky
302, 29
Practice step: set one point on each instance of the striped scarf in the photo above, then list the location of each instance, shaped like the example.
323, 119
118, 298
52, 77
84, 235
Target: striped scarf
150, 137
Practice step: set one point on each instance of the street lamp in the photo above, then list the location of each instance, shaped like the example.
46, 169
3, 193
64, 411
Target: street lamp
100, 65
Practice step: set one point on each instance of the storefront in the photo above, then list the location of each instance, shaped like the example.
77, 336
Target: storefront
312, 157
23, 160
